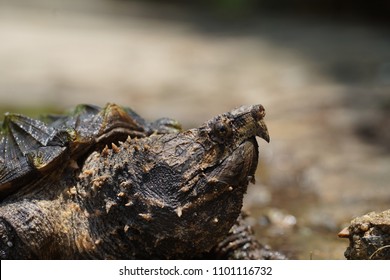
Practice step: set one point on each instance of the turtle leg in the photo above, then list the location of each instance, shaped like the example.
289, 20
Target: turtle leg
241, 244
11, 246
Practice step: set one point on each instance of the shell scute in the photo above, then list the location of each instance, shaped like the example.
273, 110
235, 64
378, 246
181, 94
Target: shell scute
22, 139
27, 146
30, 148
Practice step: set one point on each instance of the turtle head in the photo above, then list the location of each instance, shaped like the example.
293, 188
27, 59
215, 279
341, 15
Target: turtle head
179, 192
238, 125
193, 182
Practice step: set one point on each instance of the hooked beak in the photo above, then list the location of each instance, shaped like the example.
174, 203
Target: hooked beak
263, 131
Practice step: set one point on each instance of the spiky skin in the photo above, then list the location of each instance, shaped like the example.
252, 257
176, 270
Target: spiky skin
174, 195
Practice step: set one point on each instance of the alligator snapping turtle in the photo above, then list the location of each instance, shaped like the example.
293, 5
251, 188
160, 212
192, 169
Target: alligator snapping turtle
104, 183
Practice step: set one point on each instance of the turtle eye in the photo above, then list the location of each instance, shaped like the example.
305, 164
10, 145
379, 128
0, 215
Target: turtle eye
221, 131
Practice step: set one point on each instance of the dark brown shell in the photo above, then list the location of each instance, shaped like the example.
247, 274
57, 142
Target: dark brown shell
30, 148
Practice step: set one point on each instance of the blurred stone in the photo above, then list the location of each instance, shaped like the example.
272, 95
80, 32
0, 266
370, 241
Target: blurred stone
369, 237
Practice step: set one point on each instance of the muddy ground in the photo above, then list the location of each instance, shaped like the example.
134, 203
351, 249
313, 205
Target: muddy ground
324, 83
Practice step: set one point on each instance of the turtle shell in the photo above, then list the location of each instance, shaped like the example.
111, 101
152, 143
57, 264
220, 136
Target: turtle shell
27, 147
31, 148
89, 125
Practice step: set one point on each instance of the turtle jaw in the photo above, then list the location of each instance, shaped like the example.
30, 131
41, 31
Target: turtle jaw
238, 169
213, 194
216, 162
263, 131
221, 158
248, 121
223, 186
212, 205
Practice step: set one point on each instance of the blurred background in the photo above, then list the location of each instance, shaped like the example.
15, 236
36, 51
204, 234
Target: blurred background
320, 68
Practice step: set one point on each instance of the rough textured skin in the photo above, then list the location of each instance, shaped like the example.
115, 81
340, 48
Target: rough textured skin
174, 195
241, 244
369, 237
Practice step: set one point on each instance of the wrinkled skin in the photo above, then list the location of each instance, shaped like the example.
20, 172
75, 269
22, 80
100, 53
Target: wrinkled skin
176, 195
